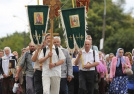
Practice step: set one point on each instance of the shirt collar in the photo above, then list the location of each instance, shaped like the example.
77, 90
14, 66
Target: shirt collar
61, 47
86, 52
53, 47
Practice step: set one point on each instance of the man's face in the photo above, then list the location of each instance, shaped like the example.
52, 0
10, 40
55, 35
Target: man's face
32, 47
87, 44
57, 42
48, 40
1, 54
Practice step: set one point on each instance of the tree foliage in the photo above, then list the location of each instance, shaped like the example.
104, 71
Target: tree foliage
16, 41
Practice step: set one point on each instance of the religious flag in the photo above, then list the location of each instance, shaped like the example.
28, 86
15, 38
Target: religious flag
74, 26
80, 3
55, 6
38, 20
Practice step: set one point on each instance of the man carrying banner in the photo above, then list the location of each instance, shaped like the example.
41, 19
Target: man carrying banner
38, 70
51, 71
86, 74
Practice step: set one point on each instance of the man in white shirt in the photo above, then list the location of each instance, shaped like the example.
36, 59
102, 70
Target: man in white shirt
38, 88
66, 67
87, 73
51, 71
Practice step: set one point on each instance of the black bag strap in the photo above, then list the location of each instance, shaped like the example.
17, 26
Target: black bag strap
94, 55
44, 51
56, 49
94, 59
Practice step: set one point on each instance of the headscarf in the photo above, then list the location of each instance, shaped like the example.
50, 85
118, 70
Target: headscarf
10, 54
119, 58
5, 60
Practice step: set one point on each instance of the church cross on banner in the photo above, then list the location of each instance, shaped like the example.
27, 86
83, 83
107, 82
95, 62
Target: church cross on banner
54, 7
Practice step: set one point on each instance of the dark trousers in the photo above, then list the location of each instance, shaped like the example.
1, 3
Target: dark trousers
0, 86
7, 85
102, 85
86, 82
73, 85
130, 91
63, 86
24, 84
38, 82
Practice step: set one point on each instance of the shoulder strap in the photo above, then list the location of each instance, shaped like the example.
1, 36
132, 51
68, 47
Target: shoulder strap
94, 55
44, 51
56, 49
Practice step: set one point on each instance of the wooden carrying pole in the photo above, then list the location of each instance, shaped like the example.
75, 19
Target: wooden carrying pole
51, 43
53, 4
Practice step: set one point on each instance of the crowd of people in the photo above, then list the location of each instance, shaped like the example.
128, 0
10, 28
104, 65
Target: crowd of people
61, 71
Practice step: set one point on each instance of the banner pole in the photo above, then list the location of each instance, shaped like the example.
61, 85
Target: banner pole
51, 44
37, 2
73, 3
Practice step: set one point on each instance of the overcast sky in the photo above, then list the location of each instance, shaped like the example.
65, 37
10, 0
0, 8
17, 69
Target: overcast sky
13, 15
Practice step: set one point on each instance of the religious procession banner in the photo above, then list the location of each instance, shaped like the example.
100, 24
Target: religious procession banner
38, 19
80, 3
74, 26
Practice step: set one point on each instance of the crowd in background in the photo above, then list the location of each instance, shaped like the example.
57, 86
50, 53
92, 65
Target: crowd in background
101, 73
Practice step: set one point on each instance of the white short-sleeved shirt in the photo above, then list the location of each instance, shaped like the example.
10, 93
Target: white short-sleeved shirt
88, 57
56, 71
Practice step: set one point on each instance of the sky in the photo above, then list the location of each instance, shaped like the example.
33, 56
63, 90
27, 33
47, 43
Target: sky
13, 15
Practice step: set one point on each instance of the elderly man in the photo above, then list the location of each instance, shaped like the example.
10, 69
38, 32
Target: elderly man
29, 69
51, 71
66, 67
86, 73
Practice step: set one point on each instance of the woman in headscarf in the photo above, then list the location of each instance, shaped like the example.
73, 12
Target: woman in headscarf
130, 78
8, 65
118, 76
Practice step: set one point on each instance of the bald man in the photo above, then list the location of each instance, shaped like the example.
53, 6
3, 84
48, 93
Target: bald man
26, 61
86, 73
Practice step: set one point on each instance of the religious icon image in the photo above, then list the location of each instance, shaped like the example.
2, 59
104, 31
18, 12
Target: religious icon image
38, 18
74, 21
11, 64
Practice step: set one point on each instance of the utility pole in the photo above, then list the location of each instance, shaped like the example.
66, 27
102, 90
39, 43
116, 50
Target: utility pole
104, 24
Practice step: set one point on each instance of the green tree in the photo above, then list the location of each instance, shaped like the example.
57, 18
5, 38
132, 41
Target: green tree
15, 41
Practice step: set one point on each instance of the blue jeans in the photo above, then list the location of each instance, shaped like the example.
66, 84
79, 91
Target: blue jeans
63, 86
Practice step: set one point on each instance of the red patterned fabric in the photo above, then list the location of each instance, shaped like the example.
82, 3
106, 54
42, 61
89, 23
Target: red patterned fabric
80, 3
